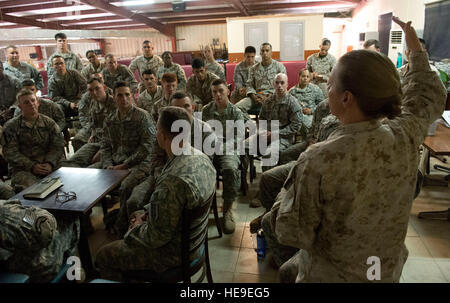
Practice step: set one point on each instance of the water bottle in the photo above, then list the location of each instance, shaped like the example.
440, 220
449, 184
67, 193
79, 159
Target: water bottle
399, 60
260, 244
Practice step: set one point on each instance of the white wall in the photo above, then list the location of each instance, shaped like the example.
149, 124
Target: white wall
194, 37
132, 47
313, 30
366, 20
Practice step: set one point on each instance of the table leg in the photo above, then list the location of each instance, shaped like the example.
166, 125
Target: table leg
85, 253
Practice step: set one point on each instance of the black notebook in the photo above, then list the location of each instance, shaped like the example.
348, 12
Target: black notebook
43, 188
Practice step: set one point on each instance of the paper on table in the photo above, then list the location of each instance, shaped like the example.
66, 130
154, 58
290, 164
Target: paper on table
446, 117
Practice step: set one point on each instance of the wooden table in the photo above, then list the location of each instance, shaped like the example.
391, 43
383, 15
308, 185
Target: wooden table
438, 145
90, 186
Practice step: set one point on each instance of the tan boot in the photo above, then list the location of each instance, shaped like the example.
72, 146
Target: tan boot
228, 217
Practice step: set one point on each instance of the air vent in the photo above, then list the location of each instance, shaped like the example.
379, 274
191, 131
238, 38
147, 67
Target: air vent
396, 37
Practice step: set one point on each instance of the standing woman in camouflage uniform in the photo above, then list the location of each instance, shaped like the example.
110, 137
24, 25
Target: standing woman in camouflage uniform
348, 199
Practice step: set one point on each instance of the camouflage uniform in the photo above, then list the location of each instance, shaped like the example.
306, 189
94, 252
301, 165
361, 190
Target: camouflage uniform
89, 70
177, 70
98, 112
307, 97
288, 113
6, 191
8, 91
129, 140
39, 245
72, 62
323, 66
24, 71
122, 73
142, 63
158, 105
25, 145
201, 91
228, 164
403, 70
50, 109
215, 68
66, 89
186, 181
260, 81
240, 78
146, 100
362, 210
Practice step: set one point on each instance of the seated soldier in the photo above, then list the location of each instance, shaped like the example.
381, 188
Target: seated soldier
260, 81
170, 67
169, 86
114, 72
152, 92
273, 179
46, 107
141, 193
32, 143
21, 70
240, 75
6, 191
221, 111
66, 87
84, 113
199, 84
211, 64
8, 91
127, 143
283, 108
94, 66
308, 96
34, 242
102, 107
153, 239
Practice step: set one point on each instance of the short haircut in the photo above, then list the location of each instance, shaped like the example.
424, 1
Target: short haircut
250, 50
90, 51
266, 43
371, 42
181, 95
24, 92
219, 82
60, 36
148, 72
326, 41
146, 41
302, 70
28, 82
92, 79
11, 46
57, 56
198, 63
169, 78
108, 56
166, 53
169, 115
120, 84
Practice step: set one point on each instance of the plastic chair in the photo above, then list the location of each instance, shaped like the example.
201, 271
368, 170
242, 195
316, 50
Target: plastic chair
6, 277
194, 238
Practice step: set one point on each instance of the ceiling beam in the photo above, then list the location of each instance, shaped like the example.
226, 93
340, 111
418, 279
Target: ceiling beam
195, 19
187, 13
17, 3
258, 6
106, 18
166, 30
111, 24
57, 15
240, 6
200, 23
34, 7
31, 22
168, 5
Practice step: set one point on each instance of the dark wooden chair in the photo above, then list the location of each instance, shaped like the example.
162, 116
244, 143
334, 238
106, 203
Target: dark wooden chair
194, 239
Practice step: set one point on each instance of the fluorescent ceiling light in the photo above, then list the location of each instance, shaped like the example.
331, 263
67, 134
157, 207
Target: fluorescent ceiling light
67, 9
76, 17
133, 2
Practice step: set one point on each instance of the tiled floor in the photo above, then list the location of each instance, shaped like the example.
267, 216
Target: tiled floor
233, 258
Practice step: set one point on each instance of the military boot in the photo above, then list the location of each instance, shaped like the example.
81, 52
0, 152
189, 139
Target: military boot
228, 217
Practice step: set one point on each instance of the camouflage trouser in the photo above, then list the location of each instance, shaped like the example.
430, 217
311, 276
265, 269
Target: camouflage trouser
289, 270
228, 166
274, 148
6, 191
235, 97
292, 152
323, 87
43, 265
22, 179
271, 183
116, 257
281, 253
83, 157
80, 139
139, 197
245, 105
